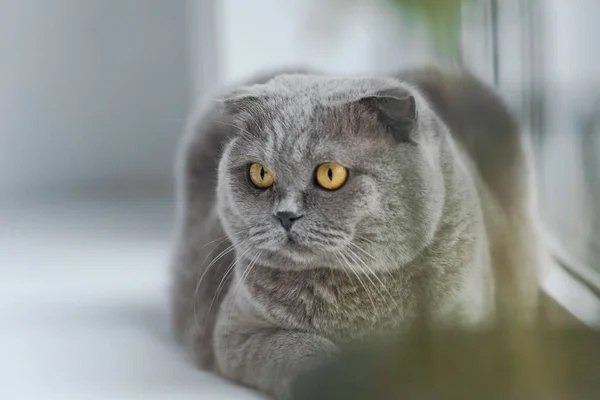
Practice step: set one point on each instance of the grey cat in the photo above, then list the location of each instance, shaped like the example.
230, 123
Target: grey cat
317, 210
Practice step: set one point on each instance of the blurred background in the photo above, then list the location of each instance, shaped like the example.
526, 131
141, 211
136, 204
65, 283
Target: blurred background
93, 98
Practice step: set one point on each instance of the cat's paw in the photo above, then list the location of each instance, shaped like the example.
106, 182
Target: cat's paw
315, 354
284, 391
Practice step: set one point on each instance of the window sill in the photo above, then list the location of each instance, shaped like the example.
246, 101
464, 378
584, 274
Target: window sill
566, 286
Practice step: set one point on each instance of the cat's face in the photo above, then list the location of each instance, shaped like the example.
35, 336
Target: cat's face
317, 177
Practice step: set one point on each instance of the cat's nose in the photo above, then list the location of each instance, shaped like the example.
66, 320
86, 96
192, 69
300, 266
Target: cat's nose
287, 219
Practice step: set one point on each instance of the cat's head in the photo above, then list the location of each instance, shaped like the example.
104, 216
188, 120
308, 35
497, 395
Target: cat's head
330, 172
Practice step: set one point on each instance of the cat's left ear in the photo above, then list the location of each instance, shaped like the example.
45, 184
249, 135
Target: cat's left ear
396, 110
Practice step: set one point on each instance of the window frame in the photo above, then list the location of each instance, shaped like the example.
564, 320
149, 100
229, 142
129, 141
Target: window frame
511, 30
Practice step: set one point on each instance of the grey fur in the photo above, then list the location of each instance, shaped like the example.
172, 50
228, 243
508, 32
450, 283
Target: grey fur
437, 211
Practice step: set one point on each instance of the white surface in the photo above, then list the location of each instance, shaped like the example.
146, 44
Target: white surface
84, 308
563, 286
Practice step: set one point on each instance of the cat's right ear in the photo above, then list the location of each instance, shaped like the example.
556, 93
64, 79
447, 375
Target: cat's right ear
246, 110
240, 103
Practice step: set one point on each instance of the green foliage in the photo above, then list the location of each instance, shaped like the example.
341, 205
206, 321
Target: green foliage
441, 17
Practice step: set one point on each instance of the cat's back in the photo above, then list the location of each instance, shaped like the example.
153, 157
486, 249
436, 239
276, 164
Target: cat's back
480, 121
491, 138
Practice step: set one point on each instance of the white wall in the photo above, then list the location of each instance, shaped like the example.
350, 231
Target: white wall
90, 91
339, 36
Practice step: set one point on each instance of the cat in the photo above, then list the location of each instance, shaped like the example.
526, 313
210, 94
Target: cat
316, 210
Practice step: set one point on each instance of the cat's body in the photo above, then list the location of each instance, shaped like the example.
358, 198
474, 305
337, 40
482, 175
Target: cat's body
435, 218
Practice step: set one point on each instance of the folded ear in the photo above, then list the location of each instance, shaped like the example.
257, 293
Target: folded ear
396, 110
240, 102
245, 109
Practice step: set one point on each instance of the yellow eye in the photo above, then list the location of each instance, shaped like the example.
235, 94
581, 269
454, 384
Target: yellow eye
261, 176
331, 176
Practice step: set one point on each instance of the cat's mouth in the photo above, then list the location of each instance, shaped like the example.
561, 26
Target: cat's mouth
293, 250
294, 245
292, 241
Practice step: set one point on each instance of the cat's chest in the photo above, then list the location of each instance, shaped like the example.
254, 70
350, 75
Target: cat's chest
331, 303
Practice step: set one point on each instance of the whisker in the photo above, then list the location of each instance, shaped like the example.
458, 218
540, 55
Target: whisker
366, 239
322, 234
224, 239
243, 276
221, 255
385, 255
221, 285
371, 272
235, 293
386, 270
343, 269
355, 258
342, 253
362, 250
220, 239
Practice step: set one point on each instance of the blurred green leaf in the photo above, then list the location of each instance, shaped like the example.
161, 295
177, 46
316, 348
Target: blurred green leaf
441, 17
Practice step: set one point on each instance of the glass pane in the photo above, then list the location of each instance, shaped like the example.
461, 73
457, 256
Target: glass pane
570, 144
544, 59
